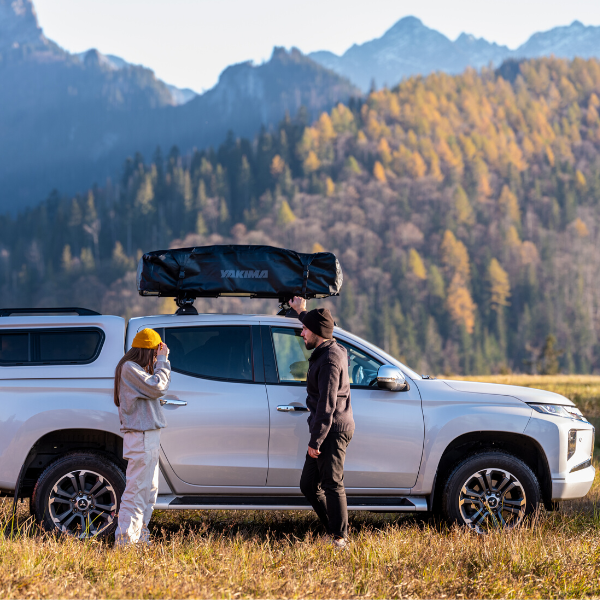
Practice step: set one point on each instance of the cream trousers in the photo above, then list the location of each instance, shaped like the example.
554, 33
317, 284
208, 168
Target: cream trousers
141, 449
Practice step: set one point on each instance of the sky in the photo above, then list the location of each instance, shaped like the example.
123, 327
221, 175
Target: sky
189, 42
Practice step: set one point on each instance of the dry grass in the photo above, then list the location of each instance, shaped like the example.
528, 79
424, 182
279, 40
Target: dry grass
236, 554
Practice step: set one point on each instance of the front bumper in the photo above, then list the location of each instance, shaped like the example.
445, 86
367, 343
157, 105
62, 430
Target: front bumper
552, 434
574, 485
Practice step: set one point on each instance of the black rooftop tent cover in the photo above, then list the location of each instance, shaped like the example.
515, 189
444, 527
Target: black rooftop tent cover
230, 270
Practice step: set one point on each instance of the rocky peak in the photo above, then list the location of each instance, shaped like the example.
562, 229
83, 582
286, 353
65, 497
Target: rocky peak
410, 30
93, 58
19, 25
406, 25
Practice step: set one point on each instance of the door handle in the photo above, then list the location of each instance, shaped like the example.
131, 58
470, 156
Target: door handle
289, 408
174, 402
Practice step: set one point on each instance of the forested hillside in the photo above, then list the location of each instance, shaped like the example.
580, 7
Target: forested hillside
464, 210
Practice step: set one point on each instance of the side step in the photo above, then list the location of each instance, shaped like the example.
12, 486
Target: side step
373, 503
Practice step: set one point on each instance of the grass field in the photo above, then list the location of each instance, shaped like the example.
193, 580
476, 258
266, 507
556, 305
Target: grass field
234, 554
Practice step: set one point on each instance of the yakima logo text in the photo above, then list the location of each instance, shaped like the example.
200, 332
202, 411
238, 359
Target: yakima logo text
244, 274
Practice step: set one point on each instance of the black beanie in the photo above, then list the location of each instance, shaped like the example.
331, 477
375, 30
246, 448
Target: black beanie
320, 322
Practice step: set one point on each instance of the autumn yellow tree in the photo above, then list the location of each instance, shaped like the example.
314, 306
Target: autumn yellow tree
460, 304
277, 166
416, 265
509, 205
311, 162
379, 172
462, 206
342, 119
329, 187
325, 127
499, 285
285, 216
385, 153
455, 257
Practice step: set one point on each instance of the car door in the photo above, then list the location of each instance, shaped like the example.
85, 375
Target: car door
220, 438
386, 449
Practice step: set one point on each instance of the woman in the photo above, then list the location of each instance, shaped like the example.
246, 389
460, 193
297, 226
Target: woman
141, 378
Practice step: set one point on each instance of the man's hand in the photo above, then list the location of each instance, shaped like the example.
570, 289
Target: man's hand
298, 304
313, 453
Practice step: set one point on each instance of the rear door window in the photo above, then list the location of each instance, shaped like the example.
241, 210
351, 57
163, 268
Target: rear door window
212, 352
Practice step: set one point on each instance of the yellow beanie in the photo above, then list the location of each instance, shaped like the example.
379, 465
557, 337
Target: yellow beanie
146, 338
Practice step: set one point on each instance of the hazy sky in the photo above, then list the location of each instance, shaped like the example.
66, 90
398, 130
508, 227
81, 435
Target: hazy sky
189, 42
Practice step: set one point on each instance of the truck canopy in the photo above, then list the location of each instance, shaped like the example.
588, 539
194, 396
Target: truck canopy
39, 347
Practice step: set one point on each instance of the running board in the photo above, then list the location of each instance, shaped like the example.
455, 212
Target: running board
373, 503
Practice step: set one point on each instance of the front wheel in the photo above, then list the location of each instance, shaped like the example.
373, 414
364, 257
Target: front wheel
490, 490
79, 495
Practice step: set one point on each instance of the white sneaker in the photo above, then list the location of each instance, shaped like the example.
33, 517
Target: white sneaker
145, 537
122, 540
339, 543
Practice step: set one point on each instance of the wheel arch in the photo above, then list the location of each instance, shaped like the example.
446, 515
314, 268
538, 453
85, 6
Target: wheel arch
58, 443
519, 445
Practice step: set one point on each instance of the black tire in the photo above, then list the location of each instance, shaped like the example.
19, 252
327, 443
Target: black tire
490, 490
79, 495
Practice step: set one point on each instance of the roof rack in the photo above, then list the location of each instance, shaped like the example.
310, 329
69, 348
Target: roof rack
32, 312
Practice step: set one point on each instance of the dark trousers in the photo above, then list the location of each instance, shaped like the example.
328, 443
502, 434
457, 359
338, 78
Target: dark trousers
322, 483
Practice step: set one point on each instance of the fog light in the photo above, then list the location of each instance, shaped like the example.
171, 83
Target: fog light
584, 465
572, 443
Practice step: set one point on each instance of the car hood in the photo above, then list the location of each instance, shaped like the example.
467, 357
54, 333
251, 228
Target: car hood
522, 393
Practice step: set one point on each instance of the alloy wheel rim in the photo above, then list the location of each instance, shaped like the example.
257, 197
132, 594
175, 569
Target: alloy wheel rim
492, 499
83, 504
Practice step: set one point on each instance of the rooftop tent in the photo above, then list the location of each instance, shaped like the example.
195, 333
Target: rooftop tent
230, 270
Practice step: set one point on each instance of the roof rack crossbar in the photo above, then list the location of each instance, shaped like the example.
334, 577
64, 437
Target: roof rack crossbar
82, 312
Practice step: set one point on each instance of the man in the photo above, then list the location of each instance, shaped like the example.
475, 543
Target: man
330, 423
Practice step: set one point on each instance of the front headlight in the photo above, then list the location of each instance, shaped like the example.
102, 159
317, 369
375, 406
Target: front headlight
568, 412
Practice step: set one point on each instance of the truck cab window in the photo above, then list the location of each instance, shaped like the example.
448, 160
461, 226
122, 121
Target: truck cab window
292, 359
291, 354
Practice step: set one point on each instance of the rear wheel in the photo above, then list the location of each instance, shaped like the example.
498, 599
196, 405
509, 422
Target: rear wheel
79, 495
490, 490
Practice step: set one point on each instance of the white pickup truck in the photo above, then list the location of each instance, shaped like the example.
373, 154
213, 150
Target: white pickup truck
483, 455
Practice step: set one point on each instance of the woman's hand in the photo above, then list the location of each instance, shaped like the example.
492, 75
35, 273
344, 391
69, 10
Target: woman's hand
163, 350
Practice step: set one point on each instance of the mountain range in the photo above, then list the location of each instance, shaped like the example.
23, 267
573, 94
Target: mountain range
69, 120
410, 48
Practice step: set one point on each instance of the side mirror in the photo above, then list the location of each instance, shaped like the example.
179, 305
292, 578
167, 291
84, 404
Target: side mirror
391, 378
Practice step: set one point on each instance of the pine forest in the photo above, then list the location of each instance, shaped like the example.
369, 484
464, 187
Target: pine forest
464, 210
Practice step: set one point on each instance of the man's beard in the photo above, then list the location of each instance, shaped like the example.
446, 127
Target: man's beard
310, 345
